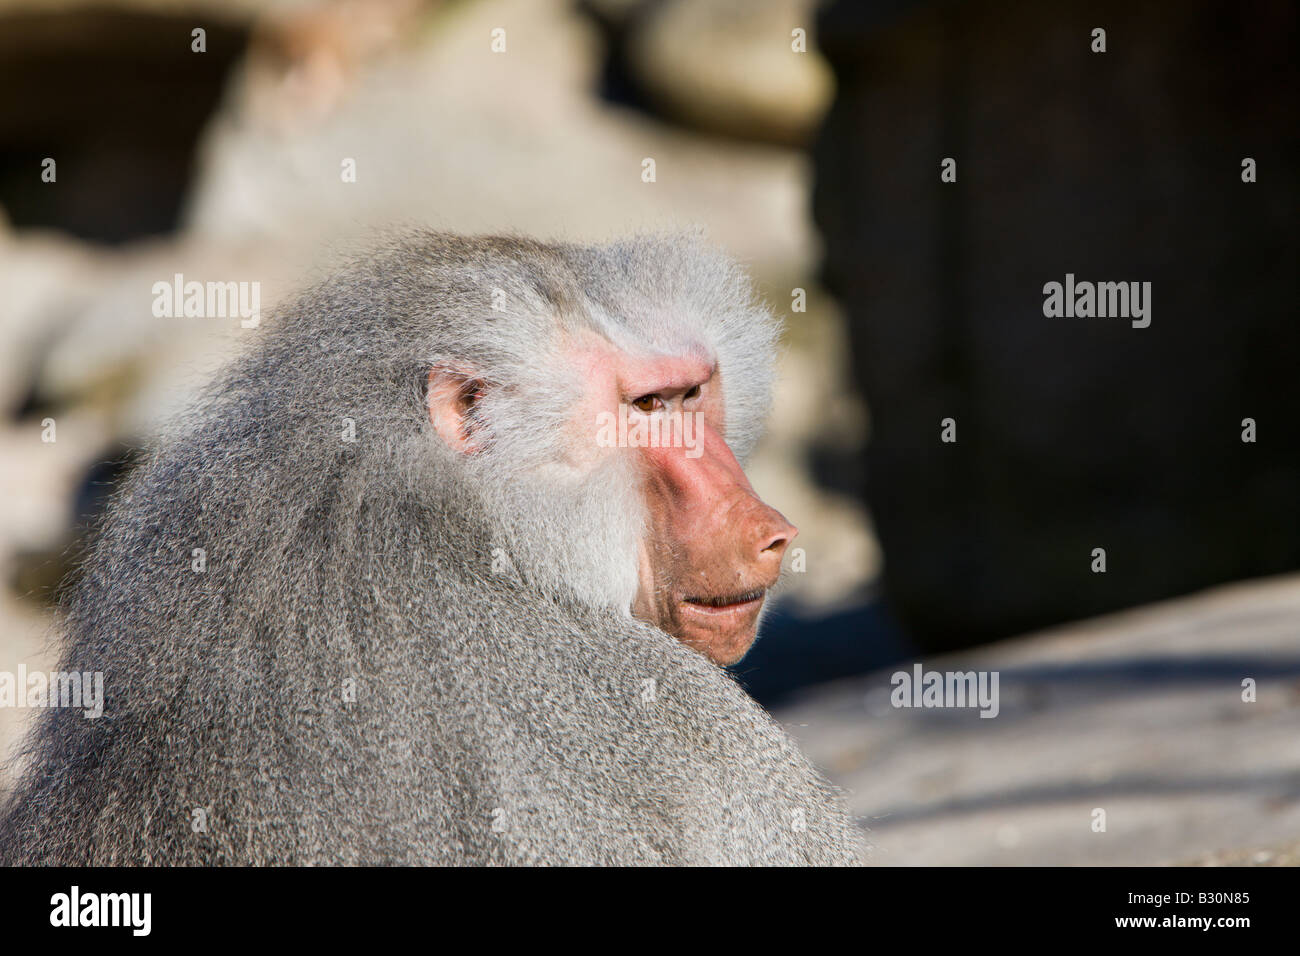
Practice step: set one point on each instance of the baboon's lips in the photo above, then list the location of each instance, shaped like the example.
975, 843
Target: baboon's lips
728, 601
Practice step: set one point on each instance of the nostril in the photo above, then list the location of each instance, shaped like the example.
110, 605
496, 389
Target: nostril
779, 539
777, 544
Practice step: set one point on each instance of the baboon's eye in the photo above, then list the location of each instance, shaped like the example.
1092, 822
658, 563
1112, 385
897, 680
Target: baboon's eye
646, 403
693, 393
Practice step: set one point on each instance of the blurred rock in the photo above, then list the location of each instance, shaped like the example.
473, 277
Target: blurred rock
79, 326
727, 66
25, 638
1285, 855
445, 133
305, 57
146, 368
45, 283
815, 411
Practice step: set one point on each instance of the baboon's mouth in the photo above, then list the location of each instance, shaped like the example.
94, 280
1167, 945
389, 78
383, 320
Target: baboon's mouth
728, 601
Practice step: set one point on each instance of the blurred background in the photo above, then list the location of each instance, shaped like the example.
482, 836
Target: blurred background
807, 140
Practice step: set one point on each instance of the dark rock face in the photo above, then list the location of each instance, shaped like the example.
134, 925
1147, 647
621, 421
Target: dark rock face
1073, 433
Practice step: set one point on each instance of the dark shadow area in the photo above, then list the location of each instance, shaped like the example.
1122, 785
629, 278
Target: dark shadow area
795, 651
615, 24
117, 99
1150, 672
1071, 432
1285, 785
1027, 692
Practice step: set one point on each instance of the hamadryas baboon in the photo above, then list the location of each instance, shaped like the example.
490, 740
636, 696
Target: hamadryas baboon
475, 544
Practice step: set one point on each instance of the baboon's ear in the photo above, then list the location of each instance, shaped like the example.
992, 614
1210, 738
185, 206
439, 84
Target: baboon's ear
452, 399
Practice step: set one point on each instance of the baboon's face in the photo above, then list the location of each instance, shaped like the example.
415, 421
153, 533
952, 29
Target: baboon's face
711, 549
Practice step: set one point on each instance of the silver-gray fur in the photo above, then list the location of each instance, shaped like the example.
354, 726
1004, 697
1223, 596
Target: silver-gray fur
399, 654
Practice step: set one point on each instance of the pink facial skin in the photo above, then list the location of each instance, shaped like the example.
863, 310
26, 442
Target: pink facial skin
712, 548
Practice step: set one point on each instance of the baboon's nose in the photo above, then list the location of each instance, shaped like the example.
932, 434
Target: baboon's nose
775, 536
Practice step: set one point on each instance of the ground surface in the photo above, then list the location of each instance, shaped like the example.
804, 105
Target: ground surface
1138, 714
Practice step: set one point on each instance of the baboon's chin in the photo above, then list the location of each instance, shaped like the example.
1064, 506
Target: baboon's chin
722, 634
